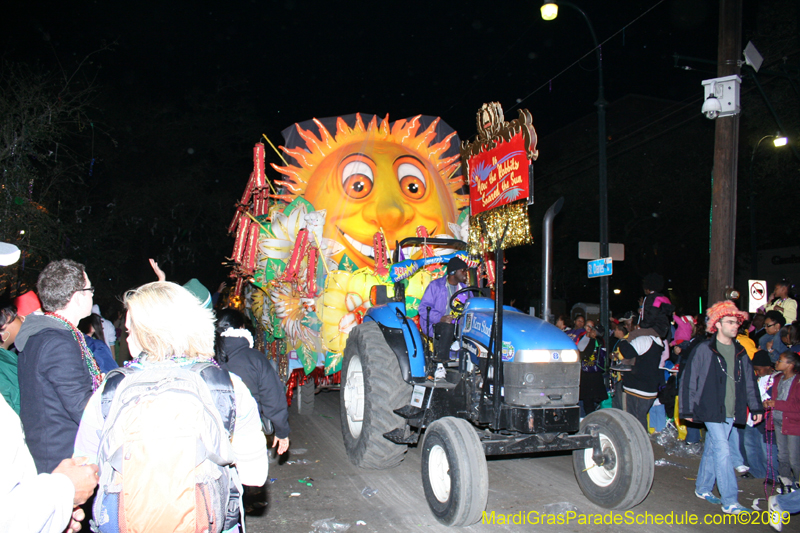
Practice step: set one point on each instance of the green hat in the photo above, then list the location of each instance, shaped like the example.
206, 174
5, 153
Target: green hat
200, 292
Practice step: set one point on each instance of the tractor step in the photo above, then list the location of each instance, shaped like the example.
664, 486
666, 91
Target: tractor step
402, 436
409, 411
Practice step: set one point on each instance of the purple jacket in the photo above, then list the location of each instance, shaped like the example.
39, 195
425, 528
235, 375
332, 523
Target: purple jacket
436, 298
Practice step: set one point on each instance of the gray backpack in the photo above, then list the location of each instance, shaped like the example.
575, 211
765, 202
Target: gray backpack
165, 456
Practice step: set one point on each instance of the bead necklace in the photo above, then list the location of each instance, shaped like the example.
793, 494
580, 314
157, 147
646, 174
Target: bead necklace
88, 358
726, 372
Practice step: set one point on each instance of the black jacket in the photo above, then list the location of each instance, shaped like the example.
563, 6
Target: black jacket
54, 386
702, 388
261, 379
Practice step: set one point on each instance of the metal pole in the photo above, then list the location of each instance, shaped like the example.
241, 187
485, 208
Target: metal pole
547, 257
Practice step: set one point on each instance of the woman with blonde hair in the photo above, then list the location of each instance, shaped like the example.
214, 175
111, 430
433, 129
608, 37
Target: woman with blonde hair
169, 406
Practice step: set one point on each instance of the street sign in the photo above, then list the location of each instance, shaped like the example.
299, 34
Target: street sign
591, 250
758, 294
600, 267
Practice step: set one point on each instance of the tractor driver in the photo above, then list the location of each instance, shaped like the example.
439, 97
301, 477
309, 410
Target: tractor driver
435, 304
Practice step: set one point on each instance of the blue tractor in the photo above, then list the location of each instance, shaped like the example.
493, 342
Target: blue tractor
518, 395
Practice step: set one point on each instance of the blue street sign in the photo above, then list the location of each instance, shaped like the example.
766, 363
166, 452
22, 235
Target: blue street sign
600, 267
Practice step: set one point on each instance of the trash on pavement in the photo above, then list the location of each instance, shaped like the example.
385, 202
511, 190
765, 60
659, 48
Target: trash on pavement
560, 508
369, 492
329, 525
664, 462
668, 439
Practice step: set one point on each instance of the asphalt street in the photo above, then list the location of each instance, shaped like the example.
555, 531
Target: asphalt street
522, 484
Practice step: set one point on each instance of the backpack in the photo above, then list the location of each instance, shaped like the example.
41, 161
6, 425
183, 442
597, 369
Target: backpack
165, 455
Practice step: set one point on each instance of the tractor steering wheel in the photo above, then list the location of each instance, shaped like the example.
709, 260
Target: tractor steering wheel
456, 306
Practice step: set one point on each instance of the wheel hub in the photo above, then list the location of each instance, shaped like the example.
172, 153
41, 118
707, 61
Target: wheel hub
439, 473
354, 396
604, 473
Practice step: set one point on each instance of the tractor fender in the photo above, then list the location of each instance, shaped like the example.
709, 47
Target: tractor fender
402, 336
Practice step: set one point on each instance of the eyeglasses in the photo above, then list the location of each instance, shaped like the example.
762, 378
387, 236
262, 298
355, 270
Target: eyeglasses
770, 325
90, 289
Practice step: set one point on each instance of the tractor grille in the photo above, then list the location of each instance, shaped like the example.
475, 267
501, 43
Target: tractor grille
541, 384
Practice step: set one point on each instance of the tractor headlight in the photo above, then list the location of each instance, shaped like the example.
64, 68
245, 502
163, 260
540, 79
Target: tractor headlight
533, 356
569, 356
546, 356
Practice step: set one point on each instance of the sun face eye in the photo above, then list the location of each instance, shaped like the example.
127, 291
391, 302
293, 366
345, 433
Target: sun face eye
357, 179
412, 180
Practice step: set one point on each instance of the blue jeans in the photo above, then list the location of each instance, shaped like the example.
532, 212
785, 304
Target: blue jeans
754, 449
692, 433
736, 453
790, 502
716, 465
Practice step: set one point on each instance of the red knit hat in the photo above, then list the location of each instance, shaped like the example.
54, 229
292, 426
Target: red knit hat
27, 303
722, 309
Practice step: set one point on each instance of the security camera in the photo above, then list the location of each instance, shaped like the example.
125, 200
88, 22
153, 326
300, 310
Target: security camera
711, 107
721, 97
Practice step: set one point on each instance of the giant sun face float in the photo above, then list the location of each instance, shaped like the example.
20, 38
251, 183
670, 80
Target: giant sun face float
345, 198
383, 177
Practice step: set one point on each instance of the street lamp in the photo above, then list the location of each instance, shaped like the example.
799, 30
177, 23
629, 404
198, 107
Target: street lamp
778, 141
549, 11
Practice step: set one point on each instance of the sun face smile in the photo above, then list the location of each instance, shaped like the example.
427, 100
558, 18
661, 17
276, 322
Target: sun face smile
380, 177
367, 250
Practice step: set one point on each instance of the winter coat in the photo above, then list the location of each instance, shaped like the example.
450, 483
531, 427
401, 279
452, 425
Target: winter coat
702, 388
102, 354
790, 406
260, 378
54, 385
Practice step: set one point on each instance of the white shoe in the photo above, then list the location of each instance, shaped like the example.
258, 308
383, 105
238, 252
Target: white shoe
440, 373
742, 469
775, 513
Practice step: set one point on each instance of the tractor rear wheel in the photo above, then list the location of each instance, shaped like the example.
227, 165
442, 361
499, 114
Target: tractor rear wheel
372, 387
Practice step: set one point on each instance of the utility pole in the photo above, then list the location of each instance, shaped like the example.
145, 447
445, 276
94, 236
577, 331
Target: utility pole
726, 144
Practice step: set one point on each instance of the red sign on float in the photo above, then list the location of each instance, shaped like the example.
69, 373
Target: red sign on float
499, 176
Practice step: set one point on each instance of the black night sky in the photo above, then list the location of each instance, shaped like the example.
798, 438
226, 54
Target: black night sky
189, 87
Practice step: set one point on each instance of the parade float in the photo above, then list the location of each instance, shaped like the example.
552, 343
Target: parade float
313, 240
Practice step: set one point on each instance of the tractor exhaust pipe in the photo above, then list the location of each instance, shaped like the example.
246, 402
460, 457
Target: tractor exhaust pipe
547, 257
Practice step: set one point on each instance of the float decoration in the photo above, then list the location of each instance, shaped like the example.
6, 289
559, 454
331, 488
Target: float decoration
500, 178
311, 251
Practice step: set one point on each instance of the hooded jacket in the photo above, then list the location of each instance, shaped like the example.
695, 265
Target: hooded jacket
54, 387
260, 378
702, 389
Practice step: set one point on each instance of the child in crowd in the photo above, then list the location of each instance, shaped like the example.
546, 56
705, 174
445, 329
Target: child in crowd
785, 404
755, 435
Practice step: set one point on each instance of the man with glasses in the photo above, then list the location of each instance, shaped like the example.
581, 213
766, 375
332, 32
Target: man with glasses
57, 372
717, 388
771, 340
